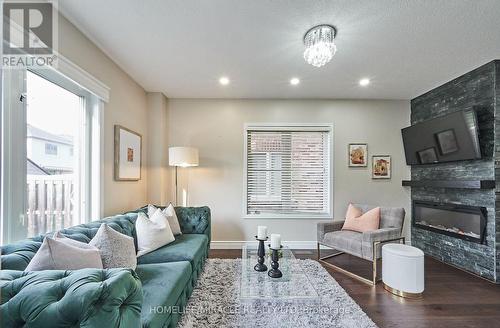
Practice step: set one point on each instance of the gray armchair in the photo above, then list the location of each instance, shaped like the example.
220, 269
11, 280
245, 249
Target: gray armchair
366, 245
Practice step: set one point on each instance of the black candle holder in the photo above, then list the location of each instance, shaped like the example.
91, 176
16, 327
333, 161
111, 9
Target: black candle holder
275, 271
260, 266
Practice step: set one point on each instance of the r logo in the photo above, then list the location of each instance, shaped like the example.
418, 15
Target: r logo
28, 28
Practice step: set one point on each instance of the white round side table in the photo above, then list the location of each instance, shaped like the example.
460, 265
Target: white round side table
403, 270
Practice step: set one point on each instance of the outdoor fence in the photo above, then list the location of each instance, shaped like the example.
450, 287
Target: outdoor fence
50, 203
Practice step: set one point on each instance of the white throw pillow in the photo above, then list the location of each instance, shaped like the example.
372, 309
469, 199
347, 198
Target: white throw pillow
152, 233
173, 221
64, 255
160, 218
62, 238
117, 250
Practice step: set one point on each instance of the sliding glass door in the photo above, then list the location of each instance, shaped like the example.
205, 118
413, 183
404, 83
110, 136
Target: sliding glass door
49, 138
55, 162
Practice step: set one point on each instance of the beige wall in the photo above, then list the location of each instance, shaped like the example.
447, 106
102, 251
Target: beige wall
127, 106
159, 177
216, 128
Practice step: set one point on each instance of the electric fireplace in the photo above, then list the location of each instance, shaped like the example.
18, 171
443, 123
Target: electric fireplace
459, 221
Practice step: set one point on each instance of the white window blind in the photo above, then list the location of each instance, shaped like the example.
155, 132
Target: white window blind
288, 171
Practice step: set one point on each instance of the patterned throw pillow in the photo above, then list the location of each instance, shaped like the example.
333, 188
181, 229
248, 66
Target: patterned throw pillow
62, 255
173, 221
117, 250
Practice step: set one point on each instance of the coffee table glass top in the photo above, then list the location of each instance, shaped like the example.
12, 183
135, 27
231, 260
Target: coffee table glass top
294, 284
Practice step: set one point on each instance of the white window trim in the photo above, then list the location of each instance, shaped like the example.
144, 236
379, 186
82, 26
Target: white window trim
328, 127
92, 197
14, 164
13, 167
13, 229
82, 78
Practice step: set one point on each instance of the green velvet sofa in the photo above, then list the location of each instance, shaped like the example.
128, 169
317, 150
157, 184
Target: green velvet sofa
152, 295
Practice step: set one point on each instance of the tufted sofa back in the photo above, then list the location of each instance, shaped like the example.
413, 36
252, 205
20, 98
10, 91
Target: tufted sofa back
16, 256
191, 219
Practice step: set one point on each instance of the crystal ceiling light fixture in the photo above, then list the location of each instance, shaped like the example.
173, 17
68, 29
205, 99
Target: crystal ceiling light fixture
320, 45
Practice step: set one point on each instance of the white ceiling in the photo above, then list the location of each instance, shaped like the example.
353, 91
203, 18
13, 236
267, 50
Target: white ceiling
182, 47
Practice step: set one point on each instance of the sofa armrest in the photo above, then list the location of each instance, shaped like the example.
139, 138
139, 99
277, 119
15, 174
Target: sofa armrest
84, 298
325, 227
381, 235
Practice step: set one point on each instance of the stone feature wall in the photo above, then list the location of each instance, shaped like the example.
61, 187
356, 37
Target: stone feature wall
478, 90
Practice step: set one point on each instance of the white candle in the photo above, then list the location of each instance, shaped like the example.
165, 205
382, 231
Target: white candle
275, 241
261, 232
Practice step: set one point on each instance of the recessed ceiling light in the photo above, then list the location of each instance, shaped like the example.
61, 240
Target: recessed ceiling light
364, 82
294, 81
224, 80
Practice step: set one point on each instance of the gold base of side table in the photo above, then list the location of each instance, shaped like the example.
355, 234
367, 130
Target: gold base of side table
400, 293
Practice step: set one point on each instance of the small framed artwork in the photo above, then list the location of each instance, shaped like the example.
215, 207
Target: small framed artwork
358, 154
128, 153
427, 155
447, 141
381, 167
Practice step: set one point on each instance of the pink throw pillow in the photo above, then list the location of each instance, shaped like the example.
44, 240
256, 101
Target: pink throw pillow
369, 221
353, 212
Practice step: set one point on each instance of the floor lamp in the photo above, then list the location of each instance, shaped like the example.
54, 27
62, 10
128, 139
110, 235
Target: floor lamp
183, 157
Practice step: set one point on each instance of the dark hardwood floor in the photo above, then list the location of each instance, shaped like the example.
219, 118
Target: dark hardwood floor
452, 298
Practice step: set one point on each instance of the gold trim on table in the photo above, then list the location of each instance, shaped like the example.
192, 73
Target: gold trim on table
401, 293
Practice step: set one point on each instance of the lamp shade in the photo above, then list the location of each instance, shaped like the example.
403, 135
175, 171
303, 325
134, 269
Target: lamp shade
183, 156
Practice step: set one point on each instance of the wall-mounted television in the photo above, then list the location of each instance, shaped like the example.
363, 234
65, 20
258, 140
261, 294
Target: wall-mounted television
453, 137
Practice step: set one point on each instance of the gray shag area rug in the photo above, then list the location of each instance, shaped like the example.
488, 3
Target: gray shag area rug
215, 302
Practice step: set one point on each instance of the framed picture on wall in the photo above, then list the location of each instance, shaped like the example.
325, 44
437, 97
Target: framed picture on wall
381, 167
447, 141
427, 155
358, 154
128, 153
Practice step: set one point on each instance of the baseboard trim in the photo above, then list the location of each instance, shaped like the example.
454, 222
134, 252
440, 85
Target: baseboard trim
238, 244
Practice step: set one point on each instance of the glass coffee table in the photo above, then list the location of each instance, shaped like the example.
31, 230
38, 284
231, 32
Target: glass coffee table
294, 284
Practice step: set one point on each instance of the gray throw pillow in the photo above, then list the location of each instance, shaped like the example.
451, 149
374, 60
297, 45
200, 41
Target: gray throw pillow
117, 250
59, 255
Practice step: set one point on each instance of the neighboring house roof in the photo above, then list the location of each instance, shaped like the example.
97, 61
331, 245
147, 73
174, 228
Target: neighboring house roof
35, 169
37, 133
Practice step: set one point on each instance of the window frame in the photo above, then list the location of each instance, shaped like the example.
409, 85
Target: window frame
13, 109
318, 127
90, 205
12, 208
